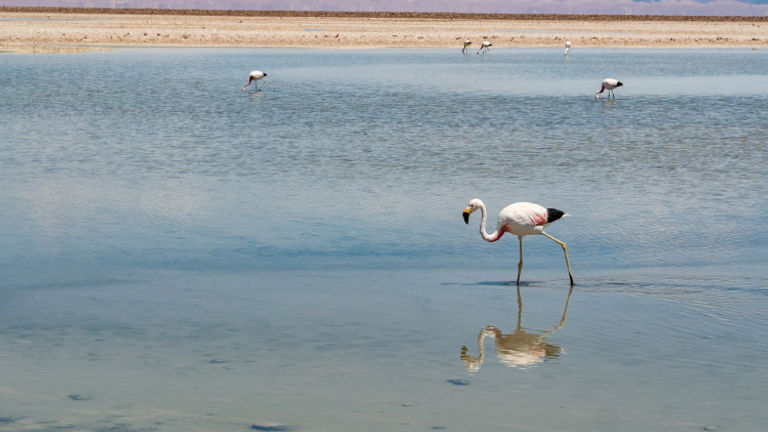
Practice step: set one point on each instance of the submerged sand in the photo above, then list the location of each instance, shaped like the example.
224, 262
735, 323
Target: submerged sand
52, 30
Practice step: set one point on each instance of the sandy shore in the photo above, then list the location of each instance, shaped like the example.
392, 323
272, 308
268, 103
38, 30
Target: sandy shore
53, 31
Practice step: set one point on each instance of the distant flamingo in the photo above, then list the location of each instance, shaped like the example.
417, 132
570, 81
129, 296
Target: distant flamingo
608, 84
484, 47
520, 219
567, 47
467, 43
254, 77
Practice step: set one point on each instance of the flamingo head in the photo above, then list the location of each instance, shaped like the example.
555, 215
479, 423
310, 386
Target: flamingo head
619, 84
471, 207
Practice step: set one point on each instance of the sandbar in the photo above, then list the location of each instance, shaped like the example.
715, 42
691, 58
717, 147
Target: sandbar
51, 30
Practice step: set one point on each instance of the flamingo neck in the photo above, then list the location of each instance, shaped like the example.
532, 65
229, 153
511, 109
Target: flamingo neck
492, 237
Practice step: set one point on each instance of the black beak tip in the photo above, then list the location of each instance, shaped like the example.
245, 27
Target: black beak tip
466, 217
619, 84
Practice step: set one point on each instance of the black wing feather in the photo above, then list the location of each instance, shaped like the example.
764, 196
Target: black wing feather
554, 214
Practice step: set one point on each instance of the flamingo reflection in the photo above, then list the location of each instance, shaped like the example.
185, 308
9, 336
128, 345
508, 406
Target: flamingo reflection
519, 349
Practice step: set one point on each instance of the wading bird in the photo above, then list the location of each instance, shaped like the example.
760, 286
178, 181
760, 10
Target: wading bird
608, 84
567, 47
467, 43
520, 219
484, 47
254, 77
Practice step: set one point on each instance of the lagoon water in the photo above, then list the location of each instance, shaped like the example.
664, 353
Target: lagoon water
179, 255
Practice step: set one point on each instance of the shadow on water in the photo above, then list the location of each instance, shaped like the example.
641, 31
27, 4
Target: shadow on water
255, 93
511, 283
522, 348
505, 283
495, 283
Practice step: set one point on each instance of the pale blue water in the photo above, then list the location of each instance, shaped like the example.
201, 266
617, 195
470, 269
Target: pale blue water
179, 255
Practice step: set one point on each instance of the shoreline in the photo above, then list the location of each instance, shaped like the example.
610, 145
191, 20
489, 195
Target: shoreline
56, 30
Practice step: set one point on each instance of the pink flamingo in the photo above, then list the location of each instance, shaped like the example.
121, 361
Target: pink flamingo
254, 77
467, 43
520, 219
484, 47
608, 84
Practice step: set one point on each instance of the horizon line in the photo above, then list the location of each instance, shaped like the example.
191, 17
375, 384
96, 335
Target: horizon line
382, 14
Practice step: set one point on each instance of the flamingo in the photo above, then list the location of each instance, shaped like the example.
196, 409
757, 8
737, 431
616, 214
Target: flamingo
520, 219
608, 84
485, 46
567, 47
467, 43
254, 77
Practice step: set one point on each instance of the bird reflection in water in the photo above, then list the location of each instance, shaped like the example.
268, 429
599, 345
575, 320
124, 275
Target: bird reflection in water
519, 349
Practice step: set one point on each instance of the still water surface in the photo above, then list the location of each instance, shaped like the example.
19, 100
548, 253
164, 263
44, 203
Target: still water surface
180, 255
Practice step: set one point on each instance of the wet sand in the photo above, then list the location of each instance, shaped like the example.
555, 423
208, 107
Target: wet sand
38, 30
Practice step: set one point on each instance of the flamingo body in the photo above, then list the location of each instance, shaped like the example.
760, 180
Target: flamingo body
567, 47
608, 84
485, 46
254, 76
520, 219
467, 43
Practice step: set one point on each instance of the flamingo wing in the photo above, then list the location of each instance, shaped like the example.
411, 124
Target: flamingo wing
554, 214
522, 217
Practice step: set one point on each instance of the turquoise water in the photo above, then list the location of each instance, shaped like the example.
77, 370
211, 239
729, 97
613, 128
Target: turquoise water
180, 255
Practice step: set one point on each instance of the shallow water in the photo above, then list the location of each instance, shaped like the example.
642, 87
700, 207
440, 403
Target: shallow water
180, 255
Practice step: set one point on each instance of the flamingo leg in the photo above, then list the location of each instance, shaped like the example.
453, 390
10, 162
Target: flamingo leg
602, 89
565, 251
519, 308
520, 264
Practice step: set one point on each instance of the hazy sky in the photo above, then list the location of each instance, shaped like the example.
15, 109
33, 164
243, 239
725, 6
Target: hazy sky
663, 7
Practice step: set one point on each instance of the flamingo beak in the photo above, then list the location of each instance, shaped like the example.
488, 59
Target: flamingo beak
467, 212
